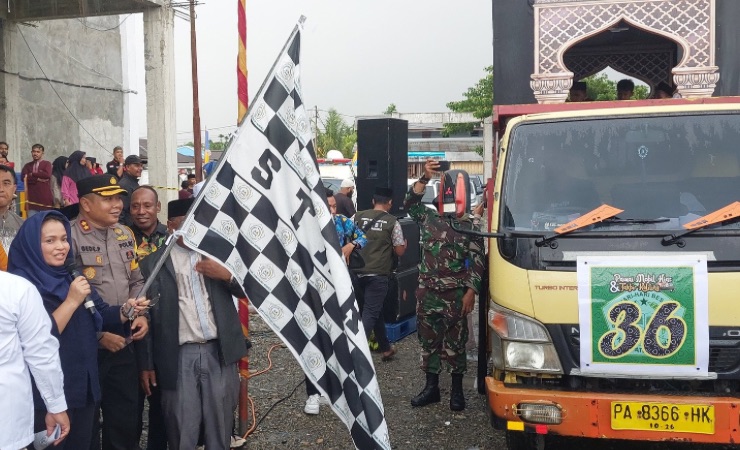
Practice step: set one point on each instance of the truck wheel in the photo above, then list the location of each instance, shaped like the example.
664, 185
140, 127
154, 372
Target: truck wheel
517, 440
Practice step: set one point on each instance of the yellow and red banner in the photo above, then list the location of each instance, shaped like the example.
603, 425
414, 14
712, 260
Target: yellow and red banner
241, 64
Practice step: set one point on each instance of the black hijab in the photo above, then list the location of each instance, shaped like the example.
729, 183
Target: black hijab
58, 167
75, 171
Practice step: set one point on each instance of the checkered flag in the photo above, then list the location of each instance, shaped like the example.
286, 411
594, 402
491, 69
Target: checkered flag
263, 214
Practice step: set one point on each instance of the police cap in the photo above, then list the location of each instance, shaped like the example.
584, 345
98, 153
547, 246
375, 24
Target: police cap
103, 185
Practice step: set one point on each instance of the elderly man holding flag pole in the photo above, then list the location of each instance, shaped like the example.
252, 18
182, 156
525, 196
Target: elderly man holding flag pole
263, 215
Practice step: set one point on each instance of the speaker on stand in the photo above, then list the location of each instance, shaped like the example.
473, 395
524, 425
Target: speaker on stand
382, 160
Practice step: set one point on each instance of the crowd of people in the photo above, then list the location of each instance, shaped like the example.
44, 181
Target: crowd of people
625, 91
101, 346
77, 255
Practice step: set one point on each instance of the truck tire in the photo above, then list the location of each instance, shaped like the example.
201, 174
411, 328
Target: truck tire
517, 440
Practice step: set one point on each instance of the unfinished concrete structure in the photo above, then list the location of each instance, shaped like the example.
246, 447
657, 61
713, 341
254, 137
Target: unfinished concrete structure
65, 80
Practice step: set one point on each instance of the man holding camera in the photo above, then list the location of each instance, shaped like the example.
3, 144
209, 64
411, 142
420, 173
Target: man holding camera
449, 279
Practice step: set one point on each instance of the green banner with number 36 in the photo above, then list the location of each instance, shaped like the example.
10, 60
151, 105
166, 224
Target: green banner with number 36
643, 317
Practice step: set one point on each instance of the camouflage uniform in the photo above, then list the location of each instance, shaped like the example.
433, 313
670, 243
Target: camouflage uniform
451, 262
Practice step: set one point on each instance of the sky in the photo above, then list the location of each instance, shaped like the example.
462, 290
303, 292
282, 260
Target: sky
357, 56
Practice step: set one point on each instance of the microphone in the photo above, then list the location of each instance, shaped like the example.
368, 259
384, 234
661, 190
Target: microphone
74, 271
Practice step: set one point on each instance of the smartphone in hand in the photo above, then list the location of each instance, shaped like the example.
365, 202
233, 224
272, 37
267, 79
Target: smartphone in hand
444, 166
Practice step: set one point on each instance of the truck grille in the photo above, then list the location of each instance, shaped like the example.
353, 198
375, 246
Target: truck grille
724, 354
723, 359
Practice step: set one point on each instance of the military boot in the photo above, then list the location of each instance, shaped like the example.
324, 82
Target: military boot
457, 398
430, 394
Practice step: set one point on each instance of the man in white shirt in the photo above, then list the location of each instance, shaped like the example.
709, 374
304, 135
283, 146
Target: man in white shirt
26, 343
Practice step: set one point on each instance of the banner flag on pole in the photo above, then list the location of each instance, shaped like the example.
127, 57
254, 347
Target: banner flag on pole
241, 62
243, 100
263, 215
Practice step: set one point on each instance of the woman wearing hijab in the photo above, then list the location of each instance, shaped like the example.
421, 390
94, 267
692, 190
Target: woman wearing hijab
57, 172
76, 170
38, 254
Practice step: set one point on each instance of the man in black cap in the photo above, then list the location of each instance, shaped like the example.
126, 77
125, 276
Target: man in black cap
384, 240
194, 325
105, 253
129, 181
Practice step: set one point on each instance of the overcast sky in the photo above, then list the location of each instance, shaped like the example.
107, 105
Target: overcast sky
357, 56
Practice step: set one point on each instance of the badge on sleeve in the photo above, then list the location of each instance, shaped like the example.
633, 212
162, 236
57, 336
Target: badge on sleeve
89, 272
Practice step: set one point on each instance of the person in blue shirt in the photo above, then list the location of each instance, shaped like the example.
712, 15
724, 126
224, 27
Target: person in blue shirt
38, 254
350, 236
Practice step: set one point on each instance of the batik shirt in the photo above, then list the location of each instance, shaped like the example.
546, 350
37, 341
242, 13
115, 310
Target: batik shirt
348, 231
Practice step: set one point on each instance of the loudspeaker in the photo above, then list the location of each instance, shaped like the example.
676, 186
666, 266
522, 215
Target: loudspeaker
382, 160
412, 256
400, 302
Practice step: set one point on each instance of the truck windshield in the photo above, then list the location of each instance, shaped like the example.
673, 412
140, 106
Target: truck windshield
676, 167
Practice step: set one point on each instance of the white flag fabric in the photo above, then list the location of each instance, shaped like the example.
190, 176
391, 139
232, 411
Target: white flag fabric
263, 214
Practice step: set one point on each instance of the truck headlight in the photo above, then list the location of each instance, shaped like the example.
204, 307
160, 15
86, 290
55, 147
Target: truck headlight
529, 357
521, 343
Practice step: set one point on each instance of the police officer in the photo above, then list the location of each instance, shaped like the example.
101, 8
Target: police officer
449, 279
106, 254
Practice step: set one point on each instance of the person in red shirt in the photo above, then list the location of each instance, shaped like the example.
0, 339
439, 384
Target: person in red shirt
93, 166
37, 178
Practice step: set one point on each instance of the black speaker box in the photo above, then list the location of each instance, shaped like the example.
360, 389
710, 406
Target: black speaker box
401, 299
382, 160
412, 256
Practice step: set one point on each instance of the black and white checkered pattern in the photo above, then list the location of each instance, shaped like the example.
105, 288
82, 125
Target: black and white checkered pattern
263, 214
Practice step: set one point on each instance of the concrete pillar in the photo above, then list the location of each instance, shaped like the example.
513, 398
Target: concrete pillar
10, 113
159, 64
129, 68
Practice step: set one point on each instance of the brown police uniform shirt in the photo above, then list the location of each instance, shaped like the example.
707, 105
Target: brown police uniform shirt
107, 258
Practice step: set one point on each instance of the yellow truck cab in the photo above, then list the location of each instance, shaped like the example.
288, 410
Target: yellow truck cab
614, 246
608, 316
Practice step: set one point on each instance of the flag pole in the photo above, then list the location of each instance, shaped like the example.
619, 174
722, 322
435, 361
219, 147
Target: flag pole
243, 302
196, 105
168, 248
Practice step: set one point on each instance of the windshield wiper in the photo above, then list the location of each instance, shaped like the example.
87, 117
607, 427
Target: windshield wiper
600, 214
726, 214
618, 220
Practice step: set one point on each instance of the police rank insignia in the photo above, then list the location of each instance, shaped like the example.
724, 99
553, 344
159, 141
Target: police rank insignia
120, 235
85, 226
89, 272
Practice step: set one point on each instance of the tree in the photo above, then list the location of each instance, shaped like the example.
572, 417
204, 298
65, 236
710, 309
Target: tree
390, 109
601, 88
336, 135
478, 100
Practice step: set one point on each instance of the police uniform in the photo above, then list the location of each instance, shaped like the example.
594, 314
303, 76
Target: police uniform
107, 258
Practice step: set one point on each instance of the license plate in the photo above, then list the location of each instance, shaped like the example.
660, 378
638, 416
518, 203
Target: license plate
674, 418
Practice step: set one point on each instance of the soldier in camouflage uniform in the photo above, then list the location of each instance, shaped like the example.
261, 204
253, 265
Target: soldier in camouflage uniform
449, 279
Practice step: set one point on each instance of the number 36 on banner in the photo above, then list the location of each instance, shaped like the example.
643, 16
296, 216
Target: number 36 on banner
643, 315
